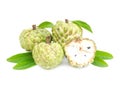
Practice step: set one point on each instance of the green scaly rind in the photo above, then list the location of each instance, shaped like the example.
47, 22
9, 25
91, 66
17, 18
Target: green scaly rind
48, 55
64, 32
29, 38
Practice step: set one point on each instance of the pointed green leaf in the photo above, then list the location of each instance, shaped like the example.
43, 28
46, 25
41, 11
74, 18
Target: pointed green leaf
23, 60
83, 25
103, 55
24, 64
46, 24
99, 62
20, 57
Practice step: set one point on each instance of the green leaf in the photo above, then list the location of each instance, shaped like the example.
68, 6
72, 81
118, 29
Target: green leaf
99, 62
103, 55
83, 25
20, 57
23, 60
46, 24
24, 64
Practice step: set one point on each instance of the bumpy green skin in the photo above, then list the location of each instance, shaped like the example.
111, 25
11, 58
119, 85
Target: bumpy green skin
48, 55
63, 32
29, 38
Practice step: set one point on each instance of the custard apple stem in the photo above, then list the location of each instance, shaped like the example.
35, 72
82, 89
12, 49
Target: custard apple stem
34, 27
48, 39
66, 21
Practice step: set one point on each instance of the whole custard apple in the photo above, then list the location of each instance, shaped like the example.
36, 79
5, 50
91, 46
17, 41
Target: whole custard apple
64, 32
30, 37
48, 55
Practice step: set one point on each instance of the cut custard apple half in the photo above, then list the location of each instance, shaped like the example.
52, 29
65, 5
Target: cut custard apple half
80, 52
64, 32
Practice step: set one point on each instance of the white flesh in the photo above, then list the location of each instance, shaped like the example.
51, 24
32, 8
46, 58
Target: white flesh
80, 52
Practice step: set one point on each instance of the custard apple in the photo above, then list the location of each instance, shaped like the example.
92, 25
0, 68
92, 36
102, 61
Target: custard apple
48, 55
30, 37
64, 32
80, 52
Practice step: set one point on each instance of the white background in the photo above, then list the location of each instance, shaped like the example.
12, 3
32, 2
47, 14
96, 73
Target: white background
102, 15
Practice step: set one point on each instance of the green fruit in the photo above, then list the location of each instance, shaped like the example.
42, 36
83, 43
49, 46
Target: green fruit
64, 32
48, 55
30, 37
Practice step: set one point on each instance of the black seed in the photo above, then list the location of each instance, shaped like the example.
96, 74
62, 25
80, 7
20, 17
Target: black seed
88, 47
85, 55
75, 55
